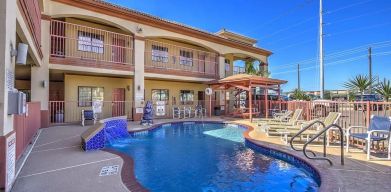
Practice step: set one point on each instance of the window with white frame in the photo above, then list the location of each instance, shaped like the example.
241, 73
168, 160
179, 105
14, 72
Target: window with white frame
159, 54
88, 94
90, 42
187, 97
186, 58
160, 95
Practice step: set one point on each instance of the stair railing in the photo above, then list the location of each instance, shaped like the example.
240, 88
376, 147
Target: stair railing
324, 144
304, 129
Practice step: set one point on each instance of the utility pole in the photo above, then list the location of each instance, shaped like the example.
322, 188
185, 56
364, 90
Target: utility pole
370, 68
298, 76
321, 60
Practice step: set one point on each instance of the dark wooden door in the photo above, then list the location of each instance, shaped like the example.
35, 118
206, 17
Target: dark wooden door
201, 98
118, 108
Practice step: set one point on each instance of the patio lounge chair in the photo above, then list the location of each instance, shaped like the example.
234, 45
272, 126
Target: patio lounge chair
287, 131
378, 130
271, 126
88, 115
246, 114
277, 117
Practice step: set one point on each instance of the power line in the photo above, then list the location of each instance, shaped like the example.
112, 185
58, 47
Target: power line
345, 52
328, 58
290, 36
295, 44
346, 7
285, 13
359, 29
335, 34
337, 62
337, 54
289, 27
358, 16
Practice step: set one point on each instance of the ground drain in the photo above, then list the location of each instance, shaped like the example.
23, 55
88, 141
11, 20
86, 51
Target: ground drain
109, 170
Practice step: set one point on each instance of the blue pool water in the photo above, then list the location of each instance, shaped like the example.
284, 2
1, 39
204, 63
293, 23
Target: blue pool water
209, 157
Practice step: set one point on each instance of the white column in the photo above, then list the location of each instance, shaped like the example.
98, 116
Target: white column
221, 67
40, 74
7, 63
139, 50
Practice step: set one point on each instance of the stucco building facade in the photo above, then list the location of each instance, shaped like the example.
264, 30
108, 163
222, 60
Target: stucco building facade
85, 50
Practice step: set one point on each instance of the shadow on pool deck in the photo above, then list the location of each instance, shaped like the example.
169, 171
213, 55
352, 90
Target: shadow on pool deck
58, 164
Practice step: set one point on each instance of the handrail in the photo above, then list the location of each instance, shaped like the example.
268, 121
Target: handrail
301, 131
319, 134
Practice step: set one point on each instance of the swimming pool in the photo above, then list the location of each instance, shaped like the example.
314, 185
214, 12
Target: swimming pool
207, 157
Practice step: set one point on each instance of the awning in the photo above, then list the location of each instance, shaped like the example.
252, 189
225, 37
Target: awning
245, 82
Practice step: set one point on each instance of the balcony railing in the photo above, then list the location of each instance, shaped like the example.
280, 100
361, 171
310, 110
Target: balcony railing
239, 70
70, 112
178, 60
86, 46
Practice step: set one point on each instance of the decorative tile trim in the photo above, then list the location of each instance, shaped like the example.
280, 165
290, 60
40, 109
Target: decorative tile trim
111, 129
297, 162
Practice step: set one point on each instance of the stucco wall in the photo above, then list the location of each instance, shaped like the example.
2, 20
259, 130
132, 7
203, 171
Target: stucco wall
174, 89
56, 9
7, 63
72, 82
72, 34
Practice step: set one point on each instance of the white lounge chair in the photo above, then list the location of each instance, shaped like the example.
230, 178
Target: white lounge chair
379, 125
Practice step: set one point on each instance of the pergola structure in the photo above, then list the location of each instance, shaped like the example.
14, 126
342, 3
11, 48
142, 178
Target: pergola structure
246, 82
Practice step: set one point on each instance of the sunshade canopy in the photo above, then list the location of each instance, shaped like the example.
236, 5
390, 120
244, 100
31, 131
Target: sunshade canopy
245, 82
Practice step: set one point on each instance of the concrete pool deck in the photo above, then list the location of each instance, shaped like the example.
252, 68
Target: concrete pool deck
57, 163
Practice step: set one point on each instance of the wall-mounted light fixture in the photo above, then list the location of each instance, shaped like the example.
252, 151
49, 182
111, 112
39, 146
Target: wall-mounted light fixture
20, 53
44, 83
139, 29
138, 87
128, 87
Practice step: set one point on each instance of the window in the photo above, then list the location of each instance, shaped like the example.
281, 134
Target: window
160, 95
89, 94
187, 97
90, 42
186, 58
159, 54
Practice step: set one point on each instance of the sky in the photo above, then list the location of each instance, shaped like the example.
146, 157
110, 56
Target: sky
290, 29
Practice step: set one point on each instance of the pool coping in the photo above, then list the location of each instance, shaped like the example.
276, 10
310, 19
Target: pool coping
128, 177
130, 181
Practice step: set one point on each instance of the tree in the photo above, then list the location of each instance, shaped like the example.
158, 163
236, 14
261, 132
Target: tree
384, 89
327, 95
359, 83
249, 67
351, 96
252, 69
300, 95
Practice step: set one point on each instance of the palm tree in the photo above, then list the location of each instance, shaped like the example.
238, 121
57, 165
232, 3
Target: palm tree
262, 70
359, 83
384, 89
297, 94
249, 67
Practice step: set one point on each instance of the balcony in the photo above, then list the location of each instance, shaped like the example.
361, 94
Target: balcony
166, 58
32, 13
79, 45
